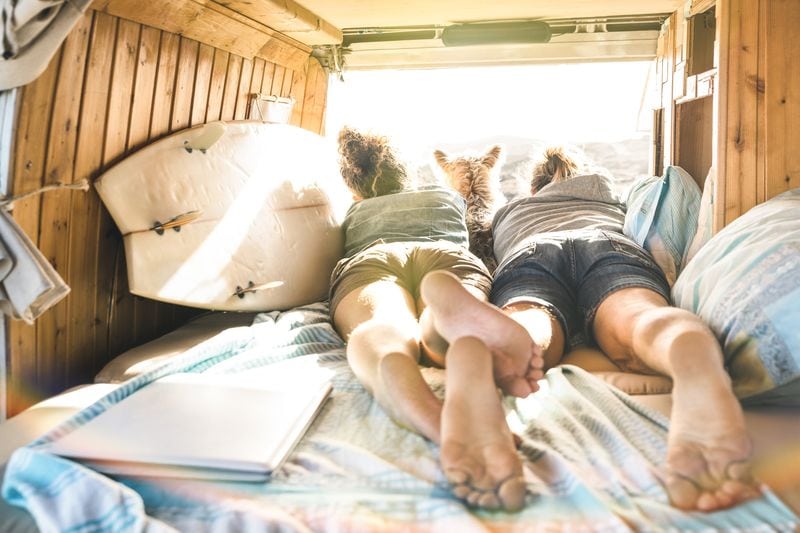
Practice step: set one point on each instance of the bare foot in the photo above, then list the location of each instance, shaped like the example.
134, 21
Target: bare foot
478, 452
518, 362
708, 453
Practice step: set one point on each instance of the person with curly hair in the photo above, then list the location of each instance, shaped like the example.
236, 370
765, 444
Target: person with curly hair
403, 247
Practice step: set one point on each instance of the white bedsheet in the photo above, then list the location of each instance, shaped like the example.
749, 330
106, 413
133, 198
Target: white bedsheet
589, 456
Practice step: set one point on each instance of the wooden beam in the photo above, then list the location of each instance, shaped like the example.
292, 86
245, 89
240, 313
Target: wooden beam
289, 18
214, 24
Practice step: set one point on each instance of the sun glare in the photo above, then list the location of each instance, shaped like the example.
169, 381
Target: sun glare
601, 107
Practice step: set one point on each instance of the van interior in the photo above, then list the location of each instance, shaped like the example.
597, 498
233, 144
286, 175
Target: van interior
127, 162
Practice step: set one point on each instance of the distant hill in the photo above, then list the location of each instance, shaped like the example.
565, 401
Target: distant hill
625, 160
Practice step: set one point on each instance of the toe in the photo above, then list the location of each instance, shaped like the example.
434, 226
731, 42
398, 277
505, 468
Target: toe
739, 470
461, 491
474, 497
708, 502
515, 386
512, 493
456, 476
683, 492
489, 500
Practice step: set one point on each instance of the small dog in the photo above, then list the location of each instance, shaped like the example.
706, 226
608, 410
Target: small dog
472, 178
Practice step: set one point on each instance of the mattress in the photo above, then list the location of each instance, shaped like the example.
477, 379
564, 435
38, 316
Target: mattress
776, 433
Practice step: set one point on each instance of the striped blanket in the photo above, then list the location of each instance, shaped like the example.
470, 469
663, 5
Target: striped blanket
589, 455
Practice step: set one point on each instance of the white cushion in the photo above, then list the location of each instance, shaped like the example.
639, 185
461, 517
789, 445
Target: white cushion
267, 199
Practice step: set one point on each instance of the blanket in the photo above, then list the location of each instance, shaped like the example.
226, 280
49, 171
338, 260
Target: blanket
589, 451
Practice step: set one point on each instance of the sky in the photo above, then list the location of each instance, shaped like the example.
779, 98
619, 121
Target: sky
564, 103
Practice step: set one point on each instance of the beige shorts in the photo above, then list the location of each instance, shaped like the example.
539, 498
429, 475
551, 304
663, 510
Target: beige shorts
406, 263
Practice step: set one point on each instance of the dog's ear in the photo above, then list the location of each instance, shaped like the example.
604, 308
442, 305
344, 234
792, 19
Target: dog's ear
492, 156
441, 158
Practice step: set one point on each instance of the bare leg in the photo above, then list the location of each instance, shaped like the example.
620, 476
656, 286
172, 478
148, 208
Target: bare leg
708, 452
454, 312
380, 324
478, 453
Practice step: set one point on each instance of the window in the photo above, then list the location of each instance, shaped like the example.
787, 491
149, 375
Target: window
602, 108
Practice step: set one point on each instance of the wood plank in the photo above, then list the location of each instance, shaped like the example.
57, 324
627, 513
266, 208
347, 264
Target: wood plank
290, 57
184, 84
289, 18
194, 21
783, 97
36, 100
122, 308
740, 185
277, 80
761, 106
165, 85
217, 88
298, 92
720, 153
115, 147
51, 327
266, 81
85, 208
243, 97
286, 88
285, 41
255, 85
56, 362
121, 92
694, 140
310, 96
315, 97
213, 24
202, 82
231, 91
142, 106
322, 99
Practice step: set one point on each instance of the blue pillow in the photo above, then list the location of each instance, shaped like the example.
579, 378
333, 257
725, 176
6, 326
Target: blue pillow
662, 217
745, 283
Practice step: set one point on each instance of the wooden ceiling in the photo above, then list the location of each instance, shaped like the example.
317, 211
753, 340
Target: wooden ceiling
345, 14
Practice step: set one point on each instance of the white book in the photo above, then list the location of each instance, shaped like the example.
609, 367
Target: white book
221, 427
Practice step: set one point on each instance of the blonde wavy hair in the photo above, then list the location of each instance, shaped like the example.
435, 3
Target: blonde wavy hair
554, 166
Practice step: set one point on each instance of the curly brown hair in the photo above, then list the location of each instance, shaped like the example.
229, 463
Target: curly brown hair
555, 165
370, 167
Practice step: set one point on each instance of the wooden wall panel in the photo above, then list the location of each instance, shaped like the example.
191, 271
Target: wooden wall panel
759, 104
756, 106
782, 106
114, 87
738, 131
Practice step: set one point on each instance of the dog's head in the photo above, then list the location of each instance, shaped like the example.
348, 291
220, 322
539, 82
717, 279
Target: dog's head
470, 175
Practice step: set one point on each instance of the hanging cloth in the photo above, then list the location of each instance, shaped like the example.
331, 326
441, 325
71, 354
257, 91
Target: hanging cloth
32, 32
29, 285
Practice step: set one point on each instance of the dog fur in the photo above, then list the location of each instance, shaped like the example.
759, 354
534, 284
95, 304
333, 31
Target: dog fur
474, 179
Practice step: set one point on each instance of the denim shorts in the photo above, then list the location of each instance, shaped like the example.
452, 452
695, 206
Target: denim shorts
406, 263
570, 273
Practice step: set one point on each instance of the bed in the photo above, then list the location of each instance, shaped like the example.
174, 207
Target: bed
591, 438
589, 451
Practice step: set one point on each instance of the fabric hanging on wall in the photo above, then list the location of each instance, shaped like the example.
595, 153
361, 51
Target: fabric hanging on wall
33, 30
29, 285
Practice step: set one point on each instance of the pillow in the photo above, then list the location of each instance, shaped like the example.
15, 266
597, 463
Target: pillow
662, 217
745, 283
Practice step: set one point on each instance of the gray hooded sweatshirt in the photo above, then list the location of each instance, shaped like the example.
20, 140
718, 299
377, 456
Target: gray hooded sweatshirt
584, 202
